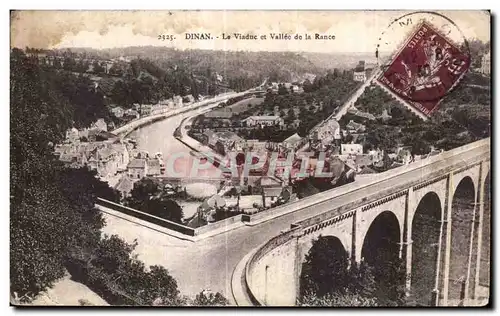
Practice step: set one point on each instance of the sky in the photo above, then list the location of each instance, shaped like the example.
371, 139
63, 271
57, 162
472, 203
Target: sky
354, 31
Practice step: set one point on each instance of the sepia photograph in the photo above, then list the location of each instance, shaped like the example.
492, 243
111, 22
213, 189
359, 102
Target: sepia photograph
243, 158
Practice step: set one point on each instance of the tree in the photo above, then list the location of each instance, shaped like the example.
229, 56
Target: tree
209, 298
147, 196
338, 300
326, 280
282, 90
54, 225
325, 267
98, 69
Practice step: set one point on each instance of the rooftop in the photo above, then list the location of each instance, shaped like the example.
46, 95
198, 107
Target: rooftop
138, 163
263, 117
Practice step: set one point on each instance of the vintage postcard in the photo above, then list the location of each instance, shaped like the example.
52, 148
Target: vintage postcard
250, 158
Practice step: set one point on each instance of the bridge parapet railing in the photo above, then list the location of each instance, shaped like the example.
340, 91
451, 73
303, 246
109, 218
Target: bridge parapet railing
261, 252
147, 217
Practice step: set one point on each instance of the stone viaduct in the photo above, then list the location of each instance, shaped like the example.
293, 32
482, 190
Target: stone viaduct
434, 215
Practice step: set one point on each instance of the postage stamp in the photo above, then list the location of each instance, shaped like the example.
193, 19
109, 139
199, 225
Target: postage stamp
425, 69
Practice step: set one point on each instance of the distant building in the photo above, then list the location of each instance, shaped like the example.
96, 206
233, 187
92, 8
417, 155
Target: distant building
353, 110
385, 115
328, 132
265, 120
377, 155
177, 101
209, 138
359, 76
291, 141
486, 64
404, 156
351, 149
228, 141
137, 168
360, 72
209, 207
72, 135
153, 167
353, 127
101, 125
125, 186
146, 109
131, 113
118, 111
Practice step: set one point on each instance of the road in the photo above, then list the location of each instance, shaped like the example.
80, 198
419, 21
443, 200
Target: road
352, 99
209, 263
346, 105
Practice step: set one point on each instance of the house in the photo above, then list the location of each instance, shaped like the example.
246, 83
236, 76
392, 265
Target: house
360, 72
61, 149
359, 76
118, 111
329, 132
137, 168
377, 155
385, 116
486, 64
353, 127
353, 110
100, 124
123, 158
404, 156
351, 149
208, 208
265, 120
125, 185
363, 161
295, 124
223, 142
159, 108
146, 109
105, 161
74, 159
177, 101
131, 113
292, 141
153, 167
270, 195
72, 135
271, 189
209, 138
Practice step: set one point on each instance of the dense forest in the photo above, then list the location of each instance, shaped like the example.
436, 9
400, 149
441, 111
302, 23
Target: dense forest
54, 225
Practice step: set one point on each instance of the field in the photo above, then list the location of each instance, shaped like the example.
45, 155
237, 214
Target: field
243, 105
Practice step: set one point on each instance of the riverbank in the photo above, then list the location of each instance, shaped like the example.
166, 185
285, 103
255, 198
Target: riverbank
125, 130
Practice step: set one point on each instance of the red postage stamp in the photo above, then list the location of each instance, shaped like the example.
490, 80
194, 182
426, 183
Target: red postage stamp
425, 69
